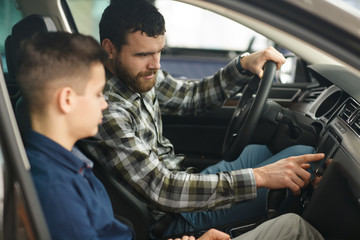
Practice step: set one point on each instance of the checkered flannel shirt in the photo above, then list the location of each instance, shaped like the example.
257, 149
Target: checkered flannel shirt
130, 142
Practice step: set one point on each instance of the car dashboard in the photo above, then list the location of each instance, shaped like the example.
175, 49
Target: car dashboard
334, 206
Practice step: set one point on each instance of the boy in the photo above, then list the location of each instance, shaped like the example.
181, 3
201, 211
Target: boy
62, 78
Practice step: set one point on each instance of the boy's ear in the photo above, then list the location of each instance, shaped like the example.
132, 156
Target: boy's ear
109, 47
66, 99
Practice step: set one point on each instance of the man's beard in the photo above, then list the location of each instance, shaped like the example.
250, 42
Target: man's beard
136, 83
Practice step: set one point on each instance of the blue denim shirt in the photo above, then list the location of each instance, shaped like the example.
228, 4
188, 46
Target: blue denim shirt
75, 203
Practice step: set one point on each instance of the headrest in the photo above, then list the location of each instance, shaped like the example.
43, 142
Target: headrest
25, 28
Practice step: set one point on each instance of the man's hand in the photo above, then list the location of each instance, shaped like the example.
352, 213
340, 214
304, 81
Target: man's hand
255, 62
315, 182
212, 234
286, 173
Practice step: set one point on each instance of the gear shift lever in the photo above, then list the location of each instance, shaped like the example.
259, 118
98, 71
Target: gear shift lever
274, 200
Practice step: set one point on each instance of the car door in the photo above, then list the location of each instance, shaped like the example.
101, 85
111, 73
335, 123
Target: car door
19, 205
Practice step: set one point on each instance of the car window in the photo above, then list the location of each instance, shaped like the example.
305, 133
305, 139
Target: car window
351, 6
181, 31
9, 15
197, 31
193, 49
87, 14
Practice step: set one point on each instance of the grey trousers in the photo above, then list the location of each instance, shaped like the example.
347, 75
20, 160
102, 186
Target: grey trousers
288, 226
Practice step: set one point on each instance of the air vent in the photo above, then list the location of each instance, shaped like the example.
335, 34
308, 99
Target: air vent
355, 125
348, 111
312, 94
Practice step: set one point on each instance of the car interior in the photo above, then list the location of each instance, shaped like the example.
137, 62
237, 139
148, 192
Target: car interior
320, 108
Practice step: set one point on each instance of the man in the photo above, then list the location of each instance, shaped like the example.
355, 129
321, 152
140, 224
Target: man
130, 140
62, 77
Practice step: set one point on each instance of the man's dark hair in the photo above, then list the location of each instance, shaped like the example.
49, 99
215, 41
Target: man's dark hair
127, 16
56, 59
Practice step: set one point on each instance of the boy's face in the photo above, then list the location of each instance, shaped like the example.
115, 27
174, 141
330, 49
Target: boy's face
87, 114
138, 61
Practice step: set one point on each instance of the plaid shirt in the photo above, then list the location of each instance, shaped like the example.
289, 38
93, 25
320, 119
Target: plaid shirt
130, 142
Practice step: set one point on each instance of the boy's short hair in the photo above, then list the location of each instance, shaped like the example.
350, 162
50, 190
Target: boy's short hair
127, 16
56, 59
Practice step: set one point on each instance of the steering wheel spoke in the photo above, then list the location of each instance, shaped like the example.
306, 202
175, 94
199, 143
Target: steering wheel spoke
247, 113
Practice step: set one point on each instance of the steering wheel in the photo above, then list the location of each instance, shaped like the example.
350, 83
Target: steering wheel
247, 113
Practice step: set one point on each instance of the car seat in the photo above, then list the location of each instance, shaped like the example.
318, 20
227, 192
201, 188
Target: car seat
25, 28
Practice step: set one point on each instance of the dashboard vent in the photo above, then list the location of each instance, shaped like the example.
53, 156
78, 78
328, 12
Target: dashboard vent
355, 125
348, 111
312, 94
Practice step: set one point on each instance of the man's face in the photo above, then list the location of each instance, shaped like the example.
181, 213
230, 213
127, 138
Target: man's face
138, 61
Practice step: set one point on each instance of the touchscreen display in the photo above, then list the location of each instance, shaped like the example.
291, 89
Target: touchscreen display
328, 147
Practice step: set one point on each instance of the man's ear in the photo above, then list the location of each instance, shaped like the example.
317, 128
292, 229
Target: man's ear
66, 98
109, 47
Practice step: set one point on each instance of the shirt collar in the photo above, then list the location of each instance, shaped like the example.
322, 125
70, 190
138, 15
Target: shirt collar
115, 85
55, 151
88, 163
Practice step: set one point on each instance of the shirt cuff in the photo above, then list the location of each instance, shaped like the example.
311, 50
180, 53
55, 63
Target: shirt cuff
245, 188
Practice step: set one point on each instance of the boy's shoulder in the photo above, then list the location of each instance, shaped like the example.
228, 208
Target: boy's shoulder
49, 160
